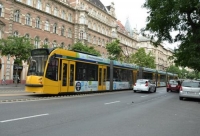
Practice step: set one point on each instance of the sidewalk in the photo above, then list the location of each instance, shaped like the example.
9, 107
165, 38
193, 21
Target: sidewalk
11, 86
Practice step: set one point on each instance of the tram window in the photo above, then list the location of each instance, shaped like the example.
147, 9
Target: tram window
52, 69
86, 72
108, 73
64, 82
71, 74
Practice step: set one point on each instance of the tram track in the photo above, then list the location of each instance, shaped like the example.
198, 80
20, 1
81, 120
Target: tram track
40, 97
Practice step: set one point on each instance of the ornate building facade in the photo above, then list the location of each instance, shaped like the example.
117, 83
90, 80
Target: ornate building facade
63, 23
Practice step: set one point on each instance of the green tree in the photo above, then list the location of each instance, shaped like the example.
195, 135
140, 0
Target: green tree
18, 47
181, 16
142, 59
174, 69
84, 48
114, 50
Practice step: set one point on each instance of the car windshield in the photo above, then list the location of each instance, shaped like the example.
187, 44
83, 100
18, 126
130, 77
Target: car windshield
37, 65
191, 84
141, 81
173, 82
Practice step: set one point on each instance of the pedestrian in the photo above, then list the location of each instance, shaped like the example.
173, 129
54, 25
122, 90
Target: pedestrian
4, 80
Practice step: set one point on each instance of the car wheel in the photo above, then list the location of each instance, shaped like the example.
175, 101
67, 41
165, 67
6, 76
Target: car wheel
134, 91
167, 90
149, 91
155, 89
180, 98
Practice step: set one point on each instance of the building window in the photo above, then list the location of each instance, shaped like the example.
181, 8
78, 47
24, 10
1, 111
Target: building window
37, 42
47, 8
81, 35
37, 22
16, 34
27, 36
17, 16
29, 2
70, 17
62, 31
94, 40
54, 44
39, 4
47, 25
82, 20
62, 45
69, 33
55, 28
46, 41
89, 38
94, 26
28, 19
1, 10
55, 11
63, 15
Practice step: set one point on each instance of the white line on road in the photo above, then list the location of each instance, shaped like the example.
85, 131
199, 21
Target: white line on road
24, 118
144, 95
112, 102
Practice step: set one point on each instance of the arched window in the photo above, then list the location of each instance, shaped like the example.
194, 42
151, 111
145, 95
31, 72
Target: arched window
47, 25
69, 33
55, 28
37, 42
99, 41
27, 36
37, 22
63, 15
28, 19
46, 41
70, 17
81, 35
82, 20
55, 11
16, 34
17, 16
54, 44
62, 45
62, 31
39, 4
48, 8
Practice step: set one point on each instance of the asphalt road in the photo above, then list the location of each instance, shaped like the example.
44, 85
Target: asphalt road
121, 113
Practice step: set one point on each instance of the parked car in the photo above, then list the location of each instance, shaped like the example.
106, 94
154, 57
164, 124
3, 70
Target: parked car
173, 85
144, 85
190, 89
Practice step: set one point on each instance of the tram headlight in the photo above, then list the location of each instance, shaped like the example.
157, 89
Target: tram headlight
40, 80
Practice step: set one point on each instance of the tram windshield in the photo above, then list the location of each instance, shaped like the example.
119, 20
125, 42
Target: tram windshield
37, 65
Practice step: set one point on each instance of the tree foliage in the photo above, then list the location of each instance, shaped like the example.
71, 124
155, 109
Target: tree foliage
174, 69
114, 50
84, 48
142, 59
18, 47
181, 16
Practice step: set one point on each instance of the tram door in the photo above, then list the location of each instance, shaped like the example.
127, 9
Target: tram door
102, 77
67, 76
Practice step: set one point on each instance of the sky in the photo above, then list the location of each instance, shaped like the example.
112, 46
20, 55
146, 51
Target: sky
133, 10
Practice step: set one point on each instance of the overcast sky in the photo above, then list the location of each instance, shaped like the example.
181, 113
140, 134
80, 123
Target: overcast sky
133, 10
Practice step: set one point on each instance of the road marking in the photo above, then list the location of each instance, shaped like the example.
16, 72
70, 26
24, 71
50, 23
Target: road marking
111, 102
24, 118
144, 95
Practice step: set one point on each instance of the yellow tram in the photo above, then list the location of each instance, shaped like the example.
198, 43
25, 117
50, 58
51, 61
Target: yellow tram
54, 71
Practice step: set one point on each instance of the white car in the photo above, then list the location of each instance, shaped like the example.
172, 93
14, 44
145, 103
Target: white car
190, 89
145, 85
